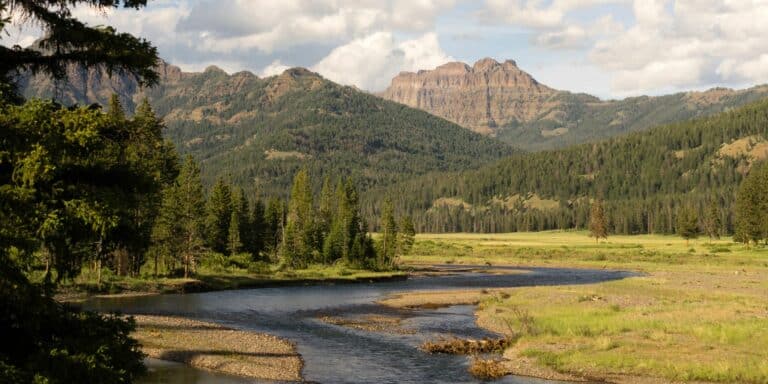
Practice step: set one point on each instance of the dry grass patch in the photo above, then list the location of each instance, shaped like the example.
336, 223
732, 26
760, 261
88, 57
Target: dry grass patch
487, 369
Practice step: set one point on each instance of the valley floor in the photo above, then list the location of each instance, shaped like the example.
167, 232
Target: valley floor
698, 312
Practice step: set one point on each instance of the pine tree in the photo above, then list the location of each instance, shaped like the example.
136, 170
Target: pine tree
687, 224
598, 223
115, 109
219, 215
259, 230
238, 222
275, 224
388, 246
299, 230
712, 222
178, 232
325, 211
407, 235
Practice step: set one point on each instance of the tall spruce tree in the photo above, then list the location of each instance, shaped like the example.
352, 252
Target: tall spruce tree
258, 230
325, 211
275, 224
178, 234
752, 206
407, 235
712, 222
238, 223
298, 246
687, 224
219, 215
388, 244
598, 222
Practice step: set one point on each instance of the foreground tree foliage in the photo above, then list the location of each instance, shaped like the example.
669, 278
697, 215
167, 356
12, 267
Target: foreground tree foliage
72, 182
76, 185
70, 41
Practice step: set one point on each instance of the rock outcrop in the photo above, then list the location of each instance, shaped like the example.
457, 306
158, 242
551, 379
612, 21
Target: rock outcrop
483, 97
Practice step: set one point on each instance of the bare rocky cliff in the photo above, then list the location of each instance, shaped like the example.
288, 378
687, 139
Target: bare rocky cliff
483, 97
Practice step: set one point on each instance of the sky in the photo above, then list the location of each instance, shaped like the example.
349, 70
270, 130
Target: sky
608, 48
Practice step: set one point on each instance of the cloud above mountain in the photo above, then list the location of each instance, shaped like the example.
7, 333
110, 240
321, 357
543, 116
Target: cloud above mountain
640, 46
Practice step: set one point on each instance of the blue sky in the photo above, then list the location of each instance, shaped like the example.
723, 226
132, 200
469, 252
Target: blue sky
609, 48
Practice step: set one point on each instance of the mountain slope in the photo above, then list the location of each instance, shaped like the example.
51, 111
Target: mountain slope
260, 131
644, 177
500, 99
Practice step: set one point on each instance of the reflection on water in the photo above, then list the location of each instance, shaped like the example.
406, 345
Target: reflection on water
336, 354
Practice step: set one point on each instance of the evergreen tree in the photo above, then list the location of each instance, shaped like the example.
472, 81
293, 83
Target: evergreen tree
752, 206
712, 222
388, 245
238, 223
325, 211
275, 224
219, 215
259, 230
687, 224
598, 223
178, 234
299, 230
115, 109
157, 157
407, 235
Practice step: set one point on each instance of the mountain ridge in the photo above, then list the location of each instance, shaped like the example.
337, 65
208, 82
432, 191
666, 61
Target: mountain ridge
501, 100
258, 131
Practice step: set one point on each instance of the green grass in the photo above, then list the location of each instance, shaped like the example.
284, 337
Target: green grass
217, 272
693, 315
575, 248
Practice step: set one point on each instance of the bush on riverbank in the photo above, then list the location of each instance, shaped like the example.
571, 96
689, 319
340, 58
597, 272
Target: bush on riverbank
456, 346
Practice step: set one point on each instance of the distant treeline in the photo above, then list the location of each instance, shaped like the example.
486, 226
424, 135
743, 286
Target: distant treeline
645, 179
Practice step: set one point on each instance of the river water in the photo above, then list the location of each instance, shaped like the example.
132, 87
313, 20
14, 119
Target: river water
336, 354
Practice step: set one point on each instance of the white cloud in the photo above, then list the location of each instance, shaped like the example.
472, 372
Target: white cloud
572, 36
235, 25
688, 43
370, 62
537, 13
274, 68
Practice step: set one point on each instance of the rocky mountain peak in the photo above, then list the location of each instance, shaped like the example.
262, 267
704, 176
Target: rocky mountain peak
484, 65
483, 97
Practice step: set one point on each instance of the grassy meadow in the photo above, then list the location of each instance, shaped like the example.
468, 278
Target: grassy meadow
699, 312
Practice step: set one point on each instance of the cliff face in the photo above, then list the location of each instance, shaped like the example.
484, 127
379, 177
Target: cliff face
483, 97
94, 85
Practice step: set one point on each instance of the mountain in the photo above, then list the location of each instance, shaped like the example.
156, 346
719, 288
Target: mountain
500, 99
258, 132
644, 178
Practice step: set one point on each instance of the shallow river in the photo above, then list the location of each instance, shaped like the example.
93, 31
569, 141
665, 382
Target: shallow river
336, 354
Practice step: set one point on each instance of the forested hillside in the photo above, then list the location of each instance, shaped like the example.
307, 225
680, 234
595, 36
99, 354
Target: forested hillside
644, 178
258, 132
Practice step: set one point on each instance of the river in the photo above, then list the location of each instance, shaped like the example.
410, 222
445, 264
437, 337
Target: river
336, 354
